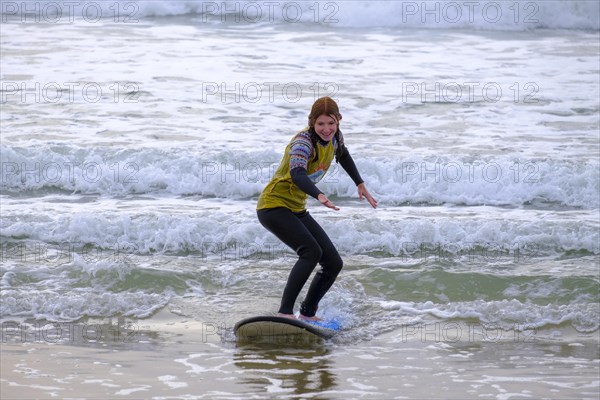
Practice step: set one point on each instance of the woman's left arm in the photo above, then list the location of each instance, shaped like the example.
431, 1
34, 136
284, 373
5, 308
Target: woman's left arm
346, 161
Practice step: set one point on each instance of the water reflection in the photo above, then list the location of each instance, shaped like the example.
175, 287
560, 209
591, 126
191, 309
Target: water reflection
286, 369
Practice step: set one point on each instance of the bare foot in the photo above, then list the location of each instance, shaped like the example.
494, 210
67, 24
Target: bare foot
291, 316
315, 318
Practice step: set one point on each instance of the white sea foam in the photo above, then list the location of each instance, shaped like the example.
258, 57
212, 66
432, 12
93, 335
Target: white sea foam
88, 284
218, 233
501, 180
55, 306
174, 175
507, 314
497, 15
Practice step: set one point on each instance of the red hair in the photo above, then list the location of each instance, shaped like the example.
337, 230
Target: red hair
323, 106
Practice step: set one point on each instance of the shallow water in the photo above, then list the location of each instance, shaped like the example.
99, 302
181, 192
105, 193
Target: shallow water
133, 154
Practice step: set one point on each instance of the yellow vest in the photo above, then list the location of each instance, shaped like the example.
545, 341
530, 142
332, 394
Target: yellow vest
281, 190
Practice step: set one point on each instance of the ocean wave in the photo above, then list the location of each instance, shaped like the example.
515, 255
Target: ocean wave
83, 288
447, 286
496, 15
493, 235
440, 179
508, 314
388, 299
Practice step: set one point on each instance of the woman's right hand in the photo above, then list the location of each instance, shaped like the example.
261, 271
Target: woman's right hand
326, 202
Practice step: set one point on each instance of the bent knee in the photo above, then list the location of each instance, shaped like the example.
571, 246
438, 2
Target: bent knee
332, 262
311, 252
338, 265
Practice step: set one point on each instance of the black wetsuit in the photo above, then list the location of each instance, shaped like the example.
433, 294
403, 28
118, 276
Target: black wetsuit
304, 235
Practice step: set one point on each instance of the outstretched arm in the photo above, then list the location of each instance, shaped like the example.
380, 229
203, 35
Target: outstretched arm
301, 179
347, 163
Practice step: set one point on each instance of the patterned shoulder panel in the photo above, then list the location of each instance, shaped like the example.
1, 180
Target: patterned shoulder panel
301, 150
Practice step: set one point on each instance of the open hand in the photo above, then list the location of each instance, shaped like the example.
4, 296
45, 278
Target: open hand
363, 192
326, 202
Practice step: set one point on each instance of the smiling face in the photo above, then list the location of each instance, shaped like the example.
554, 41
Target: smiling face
325, 118
326, 126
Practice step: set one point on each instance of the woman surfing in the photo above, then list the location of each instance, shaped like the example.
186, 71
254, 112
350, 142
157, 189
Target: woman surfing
281, 207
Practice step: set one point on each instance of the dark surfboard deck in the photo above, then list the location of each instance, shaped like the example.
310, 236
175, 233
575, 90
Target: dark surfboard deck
271, 328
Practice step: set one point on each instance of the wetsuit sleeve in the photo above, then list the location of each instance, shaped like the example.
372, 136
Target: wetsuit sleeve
346, 161
301, 179
300, 151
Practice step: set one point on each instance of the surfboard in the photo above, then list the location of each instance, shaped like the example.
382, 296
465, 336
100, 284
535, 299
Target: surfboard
271, 328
